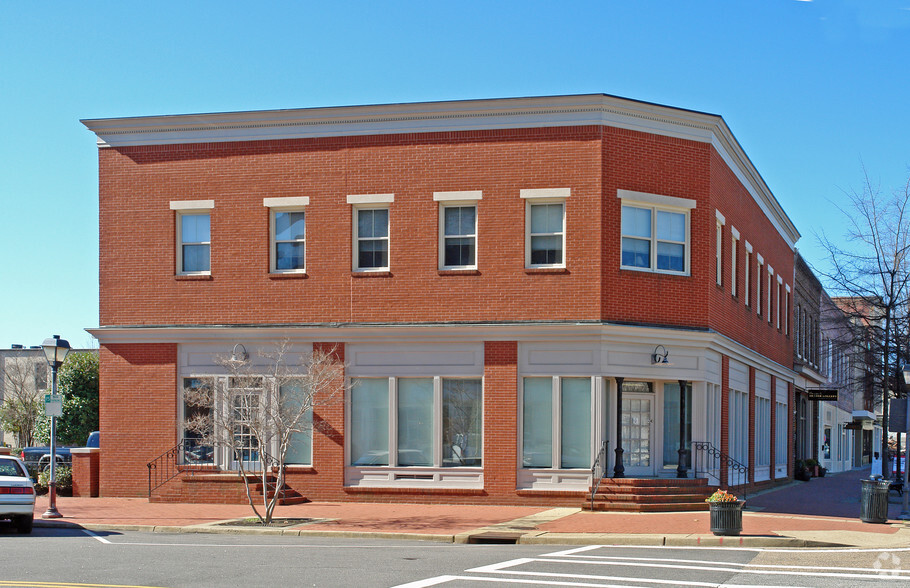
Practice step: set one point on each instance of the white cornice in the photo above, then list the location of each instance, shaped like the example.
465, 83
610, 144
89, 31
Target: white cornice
466, 115
446, 333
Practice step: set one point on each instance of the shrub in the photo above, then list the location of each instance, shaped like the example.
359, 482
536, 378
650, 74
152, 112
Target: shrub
64, 481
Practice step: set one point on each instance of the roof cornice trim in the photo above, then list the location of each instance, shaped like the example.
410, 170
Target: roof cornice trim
452, 116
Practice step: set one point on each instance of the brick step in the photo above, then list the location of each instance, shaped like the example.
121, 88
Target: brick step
651, 490
662, 482
650, 498
637, 507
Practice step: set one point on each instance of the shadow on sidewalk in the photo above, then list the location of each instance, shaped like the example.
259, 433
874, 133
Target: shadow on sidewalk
835, 495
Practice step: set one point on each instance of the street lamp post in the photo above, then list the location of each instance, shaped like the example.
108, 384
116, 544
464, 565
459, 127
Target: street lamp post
55, 350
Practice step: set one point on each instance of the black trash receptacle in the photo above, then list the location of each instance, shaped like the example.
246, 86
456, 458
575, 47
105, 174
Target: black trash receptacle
874, 507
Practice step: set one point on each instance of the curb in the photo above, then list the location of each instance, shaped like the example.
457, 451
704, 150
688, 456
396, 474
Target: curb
656, 540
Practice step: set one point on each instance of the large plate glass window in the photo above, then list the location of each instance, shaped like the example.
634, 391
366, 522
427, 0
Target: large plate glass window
548, 439
671, 425
198, 414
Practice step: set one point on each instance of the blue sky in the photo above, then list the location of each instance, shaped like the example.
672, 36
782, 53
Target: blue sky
813, 90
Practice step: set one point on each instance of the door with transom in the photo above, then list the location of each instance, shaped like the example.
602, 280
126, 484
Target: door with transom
638, 434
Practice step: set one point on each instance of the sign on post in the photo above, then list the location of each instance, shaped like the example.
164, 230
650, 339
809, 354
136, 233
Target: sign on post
53, 405
897, 416
818, 394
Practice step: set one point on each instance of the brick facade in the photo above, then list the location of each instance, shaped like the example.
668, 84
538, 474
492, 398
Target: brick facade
591, 312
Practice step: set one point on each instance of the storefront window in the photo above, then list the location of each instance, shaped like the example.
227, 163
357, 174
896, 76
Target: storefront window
671, 425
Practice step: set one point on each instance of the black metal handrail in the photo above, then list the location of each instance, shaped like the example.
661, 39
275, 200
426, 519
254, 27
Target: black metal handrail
598, 470
718, 458
189, 455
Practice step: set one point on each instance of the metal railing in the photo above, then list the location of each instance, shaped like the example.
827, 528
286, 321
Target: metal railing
187, 456
598, 470
710, 461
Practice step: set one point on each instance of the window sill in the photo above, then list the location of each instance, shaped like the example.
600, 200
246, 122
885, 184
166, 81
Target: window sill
546, 270
288, 275
459, 272
193, 277
645, 270
370, 274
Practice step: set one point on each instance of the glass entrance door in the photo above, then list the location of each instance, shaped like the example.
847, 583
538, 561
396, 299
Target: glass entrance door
245, 398
637, 433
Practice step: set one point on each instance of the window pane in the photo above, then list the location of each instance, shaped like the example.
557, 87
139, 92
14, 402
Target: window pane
415, 422
671, 226
373, 253
576, 423
294, 398
546, 250
289, 256
370, 421
459, 251
537, 423
459, 220
671, 256
671, 424
198, 401
462, 420
546, 218
636, 222
636, 252
373, 223
194, 228
196, 258
289, 226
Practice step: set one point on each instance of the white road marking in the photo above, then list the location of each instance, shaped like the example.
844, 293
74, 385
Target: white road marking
98, 537
443, 579
501, 568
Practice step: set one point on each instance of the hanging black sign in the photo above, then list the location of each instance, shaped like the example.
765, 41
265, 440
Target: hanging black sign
818, 394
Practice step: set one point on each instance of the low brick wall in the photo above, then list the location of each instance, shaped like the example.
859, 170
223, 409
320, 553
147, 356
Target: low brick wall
86, 471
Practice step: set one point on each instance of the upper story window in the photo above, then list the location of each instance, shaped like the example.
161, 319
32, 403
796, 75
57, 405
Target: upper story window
287, 230
545, 226
371, 231
655, 232
194, 240
719, 247
457, 229
758, 279
786, 309
734, 246
770, 291
747, 265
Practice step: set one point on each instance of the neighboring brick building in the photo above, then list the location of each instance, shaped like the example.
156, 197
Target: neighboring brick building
539, 257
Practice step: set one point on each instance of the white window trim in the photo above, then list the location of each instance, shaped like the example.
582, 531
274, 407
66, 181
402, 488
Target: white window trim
760, 262
734, 250
718, 254
780, 282
192, 211
192, 204
556, 423
747, 263
533, 201
456, 199
287, 204
655, 202
437, 475
361, 202
770, 291
547, 193
787, 309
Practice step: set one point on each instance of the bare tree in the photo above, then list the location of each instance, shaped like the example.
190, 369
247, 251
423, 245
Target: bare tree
871, 275
260, 408
24, 382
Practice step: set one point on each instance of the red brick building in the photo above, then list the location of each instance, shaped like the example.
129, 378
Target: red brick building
568, 264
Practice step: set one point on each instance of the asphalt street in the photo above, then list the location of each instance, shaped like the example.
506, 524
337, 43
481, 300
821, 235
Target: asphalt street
65, 558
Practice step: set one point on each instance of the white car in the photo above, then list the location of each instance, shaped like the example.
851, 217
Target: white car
17, 493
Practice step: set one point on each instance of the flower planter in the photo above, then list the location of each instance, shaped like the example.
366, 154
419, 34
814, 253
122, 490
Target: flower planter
727, 517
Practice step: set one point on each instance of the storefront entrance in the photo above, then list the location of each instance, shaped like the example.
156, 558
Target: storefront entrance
637, 433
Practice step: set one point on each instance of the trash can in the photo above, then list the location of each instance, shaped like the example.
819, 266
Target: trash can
874, 507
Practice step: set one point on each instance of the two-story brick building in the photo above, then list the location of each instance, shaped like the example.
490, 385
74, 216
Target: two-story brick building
567, 269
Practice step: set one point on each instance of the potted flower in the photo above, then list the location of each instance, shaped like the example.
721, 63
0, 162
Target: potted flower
813, 466
726, 513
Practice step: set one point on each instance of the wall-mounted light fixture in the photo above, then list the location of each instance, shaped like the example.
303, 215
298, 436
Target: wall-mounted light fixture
239, 354
659, 357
